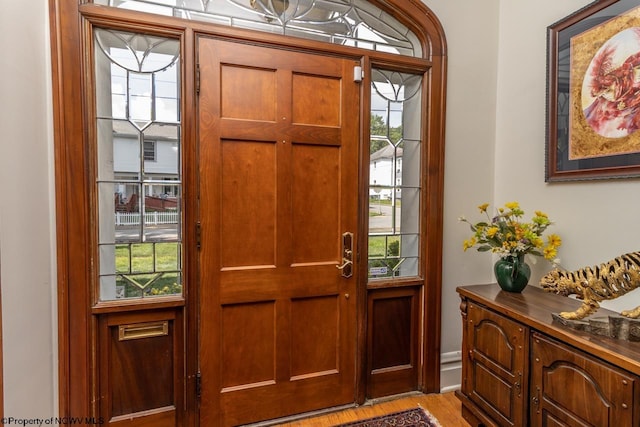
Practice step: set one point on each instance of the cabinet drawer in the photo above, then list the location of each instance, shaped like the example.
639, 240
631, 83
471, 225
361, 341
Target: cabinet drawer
570, 388
496, 377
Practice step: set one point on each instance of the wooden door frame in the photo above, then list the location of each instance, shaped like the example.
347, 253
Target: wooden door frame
71, 80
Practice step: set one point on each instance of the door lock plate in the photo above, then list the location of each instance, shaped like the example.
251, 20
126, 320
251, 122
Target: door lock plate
347, 255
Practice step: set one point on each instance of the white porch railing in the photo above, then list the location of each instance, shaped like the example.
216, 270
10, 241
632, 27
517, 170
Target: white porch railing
150, 218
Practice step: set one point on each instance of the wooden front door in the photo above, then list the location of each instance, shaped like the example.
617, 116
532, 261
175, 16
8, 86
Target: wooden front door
278, 179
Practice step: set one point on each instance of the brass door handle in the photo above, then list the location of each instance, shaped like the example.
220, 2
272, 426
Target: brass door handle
347, 255
345, 264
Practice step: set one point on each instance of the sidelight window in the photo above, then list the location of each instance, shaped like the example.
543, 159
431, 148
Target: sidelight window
138, 178
394, 174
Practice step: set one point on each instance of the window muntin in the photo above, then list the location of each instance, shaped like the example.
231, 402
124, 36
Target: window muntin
346, 22
138, 181
394, 175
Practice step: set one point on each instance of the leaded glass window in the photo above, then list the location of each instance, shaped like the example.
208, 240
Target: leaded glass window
394, 174
346, 22
138, 147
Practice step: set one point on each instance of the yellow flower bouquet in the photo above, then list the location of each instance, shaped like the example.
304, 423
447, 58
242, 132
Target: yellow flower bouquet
506, 234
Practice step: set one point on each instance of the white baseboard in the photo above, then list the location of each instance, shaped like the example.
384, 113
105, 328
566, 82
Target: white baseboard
450, 371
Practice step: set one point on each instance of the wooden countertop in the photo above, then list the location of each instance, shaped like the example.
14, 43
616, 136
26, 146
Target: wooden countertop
534, 307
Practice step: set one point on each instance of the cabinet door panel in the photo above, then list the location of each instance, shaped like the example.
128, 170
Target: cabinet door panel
493, 390
497, 359
572, 389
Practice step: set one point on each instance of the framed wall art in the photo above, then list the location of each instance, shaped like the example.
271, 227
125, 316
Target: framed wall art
593, 93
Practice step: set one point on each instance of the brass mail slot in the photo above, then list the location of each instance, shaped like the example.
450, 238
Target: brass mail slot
143, 330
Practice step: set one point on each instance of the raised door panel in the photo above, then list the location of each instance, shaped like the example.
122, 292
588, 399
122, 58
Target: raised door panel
260, 83
315, 186
141, 379
248, 209
569, 388
250, 328
314, 334
497, 373
392, 341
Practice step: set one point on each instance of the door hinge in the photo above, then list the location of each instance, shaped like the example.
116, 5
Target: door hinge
198, 384
198, 79
198, 234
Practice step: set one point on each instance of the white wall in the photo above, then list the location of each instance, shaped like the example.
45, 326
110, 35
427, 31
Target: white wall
471, 28
520, 141
26, 212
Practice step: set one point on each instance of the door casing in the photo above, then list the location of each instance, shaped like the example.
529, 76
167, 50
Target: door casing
72, 87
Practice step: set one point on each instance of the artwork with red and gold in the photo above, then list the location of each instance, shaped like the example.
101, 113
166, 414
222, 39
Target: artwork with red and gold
593, 93
605, 89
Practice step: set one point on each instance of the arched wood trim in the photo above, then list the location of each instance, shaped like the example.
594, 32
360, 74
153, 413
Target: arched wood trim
75, 235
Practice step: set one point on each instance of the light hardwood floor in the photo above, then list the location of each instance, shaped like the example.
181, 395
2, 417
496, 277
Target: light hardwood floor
445, 407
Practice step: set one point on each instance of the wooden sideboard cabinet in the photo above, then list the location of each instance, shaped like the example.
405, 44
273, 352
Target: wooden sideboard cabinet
521, 368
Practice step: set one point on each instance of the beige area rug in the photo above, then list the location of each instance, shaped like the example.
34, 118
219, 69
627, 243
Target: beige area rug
416, 417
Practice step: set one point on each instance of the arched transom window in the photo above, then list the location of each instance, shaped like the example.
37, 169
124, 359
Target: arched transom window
355, 23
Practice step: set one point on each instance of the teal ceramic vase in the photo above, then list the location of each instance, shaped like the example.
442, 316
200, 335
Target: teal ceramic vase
512, 273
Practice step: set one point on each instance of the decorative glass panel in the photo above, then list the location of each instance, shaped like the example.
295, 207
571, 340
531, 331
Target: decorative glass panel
394, 175
139, 181
346, 22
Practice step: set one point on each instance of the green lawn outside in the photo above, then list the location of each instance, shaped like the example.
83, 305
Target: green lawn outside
137, 262
378, 245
